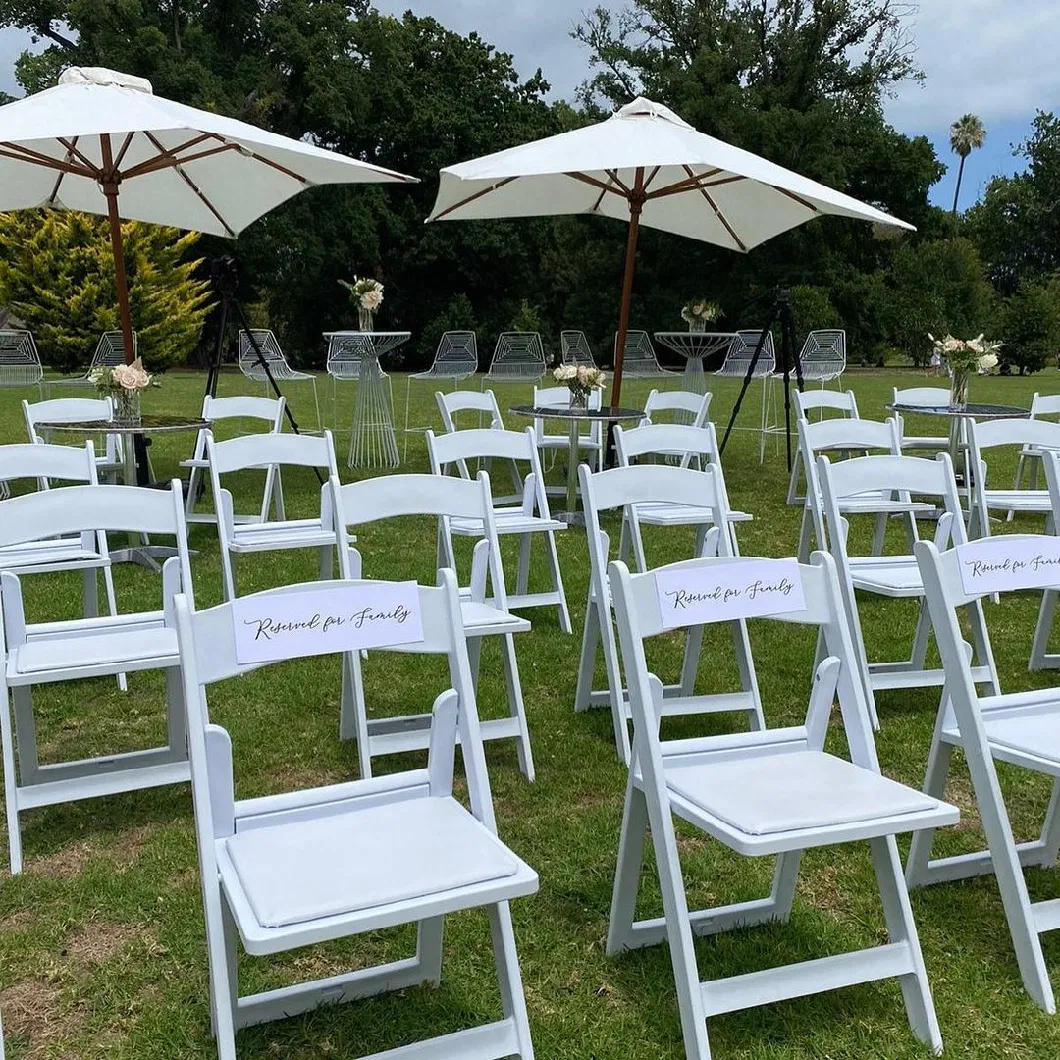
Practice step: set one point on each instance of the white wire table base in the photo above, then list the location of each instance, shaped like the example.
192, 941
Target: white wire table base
373, 441
695, 347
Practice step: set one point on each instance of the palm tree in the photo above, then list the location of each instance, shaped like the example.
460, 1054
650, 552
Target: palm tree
966, 134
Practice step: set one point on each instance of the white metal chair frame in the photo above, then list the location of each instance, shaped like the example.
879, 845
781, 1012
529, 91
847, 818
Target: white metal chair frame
1020, 729
842, 401
687, 444
271, 451
574, 349
926, 397
273, 355
75, 649
737, 361
265, 410
651, 484
20, 362
444, 498
456, 359
1041, 405
898, 577
531, 517
824, 355
639, 360
397, 824
39, 414
109, 352
518, 357
762, 793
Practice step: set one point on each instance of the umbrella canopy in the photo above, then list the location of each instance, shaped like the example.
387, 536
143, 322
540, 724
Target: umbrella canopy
102, 142
647, 166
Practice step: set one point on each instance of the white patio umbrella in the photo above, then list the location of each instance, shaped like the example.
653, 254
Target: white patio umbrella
646, 166
102, 142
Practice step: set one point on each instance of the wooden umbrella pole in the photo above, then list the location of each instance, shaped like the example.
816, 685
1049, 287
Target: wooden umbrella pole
637, 198
111, 178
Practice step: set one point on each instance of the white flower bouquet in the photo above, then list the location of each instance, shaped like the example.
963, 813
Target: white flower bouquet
580, 380
962, 357
367, 295
123, 384
699, 313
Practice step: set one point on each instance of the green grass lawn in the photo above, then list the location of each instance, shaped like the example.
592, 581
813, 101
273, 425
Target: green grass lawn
102, 949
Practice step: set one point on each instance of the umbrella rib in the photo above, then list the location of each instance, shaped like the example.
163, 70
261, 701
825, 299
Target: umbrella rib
478, 195
178, 167
126, 144
71, 150
693, 182
654, 174
24, 154
59, 180
720, 216
602, 185
798, 198
613, 175
168, 156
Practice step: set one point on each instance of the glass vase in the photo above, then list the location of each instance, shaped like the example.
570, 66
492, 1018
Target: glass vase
364, 319
959, 379
579, 399
127, 408
697, 325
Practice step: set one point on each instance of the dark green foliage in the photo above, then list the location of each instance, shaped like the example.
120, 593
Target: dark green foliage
1030, 327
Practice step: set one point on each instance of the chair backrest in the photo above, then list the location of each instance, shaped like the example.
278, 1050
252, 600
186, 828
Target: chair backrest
574, 349
519, 354
269, 410
1044, 434
696, 405
667, 439
458, 348
110, 350
842, 401
264, 450
43, 462
468, 401
639, 352
741, 352
826, 348
65, 410
667, 599
267, 343
19, 359
922, 396
1045, 405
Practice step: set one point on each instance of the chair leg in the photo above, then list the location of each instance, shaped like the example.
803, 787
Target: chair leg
222, 957
793, 484
405, 443
637, 539
522, 571
917, 868
627, 871
89, 593
176, 717
785, 877
7, 747
587, 659
316, 404
1040, 648
898, 914
429, 937
741, 642
1051, 829
879, 535
804, 536
353, 712
516, 707
513, 1000
228, 573
25, 734
557, 583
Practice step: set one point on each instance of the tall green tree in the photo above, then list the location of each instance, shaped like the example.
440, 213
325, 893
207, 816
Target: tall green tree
967, 134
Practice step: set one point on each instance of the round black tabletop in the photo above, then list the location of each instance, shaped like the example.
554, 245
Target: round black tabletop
148, 425
970, 411
607, 414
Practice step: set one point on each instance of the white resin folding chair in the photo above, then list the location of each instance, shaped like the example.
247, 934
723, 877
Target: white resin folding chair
1020, 729
109, 353
265, 410
804, 402
1035, 435
922, 397
1041, 657
687, 444
823, 356
737, 364
76, 649
640, 360
456, 360
20, 362
265, 451
40, 414
529, 519
897, 576
575, 349
654, 484
444, 498
285, 871
590, 444
690, 408
281, 371
518, 357
1042, 405
773, 792
484, 403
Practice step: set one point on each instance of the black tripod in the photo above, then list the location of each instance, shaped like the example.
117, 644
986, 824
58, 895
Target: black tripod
789, 352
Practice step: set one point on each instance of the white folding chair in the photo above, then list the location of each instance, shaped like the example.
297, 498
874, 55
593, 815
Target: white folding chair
575, 349
518, 357
639, 361
444, 498
1021, 729
484, 403
265, 451
693, 409
1042, 405
75, 649
824, 356
1041, 657
456, 359
250, 343
685, 444
592, 443
40, 414
897, 576
924, 397
1028, 435
842, 401
654, 484
109, 353
285, 871
530, 518
265, 410
20, 362
737, 364
772, 792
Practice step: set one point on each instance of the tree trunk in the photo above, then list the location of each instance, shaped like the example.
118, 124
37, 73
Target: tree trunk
957, 190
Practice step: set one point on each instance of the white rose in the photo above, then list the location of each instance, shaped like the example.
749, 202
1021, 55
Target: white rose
988, 361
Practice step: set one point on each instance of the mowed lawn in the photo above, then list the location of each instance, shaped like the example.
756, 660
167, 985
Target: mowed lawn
102, 949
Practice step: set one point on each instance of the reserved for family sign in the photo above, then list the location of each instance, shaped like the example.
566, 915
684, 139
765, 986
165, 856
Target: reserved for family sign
320, 621
723, 591
1007, 563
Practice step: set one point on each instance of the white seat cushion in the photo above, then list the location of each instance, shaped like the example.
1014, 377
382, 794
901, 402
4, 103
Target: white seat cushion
307, 870
478, 617
1020, 500
291, 533
664, 513
775, 793
1033, 734
137, 645
887, 575
508, 521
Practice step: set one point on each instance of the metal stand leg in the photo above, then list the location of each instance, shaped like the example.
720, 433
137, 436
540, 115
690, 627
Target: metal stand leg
373, 442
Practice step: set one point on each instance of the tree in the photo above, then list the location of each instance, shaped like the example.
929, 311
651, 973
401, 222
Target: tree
57, 275
1030, 328
967, 134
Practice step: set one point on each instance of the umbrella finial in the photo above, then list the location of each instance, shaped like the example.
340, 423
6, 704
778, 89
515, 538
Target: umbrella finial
98, 75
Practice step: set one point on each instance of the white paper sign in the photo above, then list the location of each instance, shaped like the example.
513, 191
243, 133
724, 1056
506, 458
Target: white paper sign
320, 621
724, 591
1006, 563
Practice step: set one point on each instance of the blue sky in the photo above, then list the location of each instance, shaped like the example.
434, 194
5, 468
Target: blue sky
994, 58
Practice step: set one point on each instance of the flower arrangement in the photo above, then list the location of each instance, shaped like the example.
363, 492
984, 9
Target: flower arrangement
367, 295
123, 384
699, 313
964, 356
580, 380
